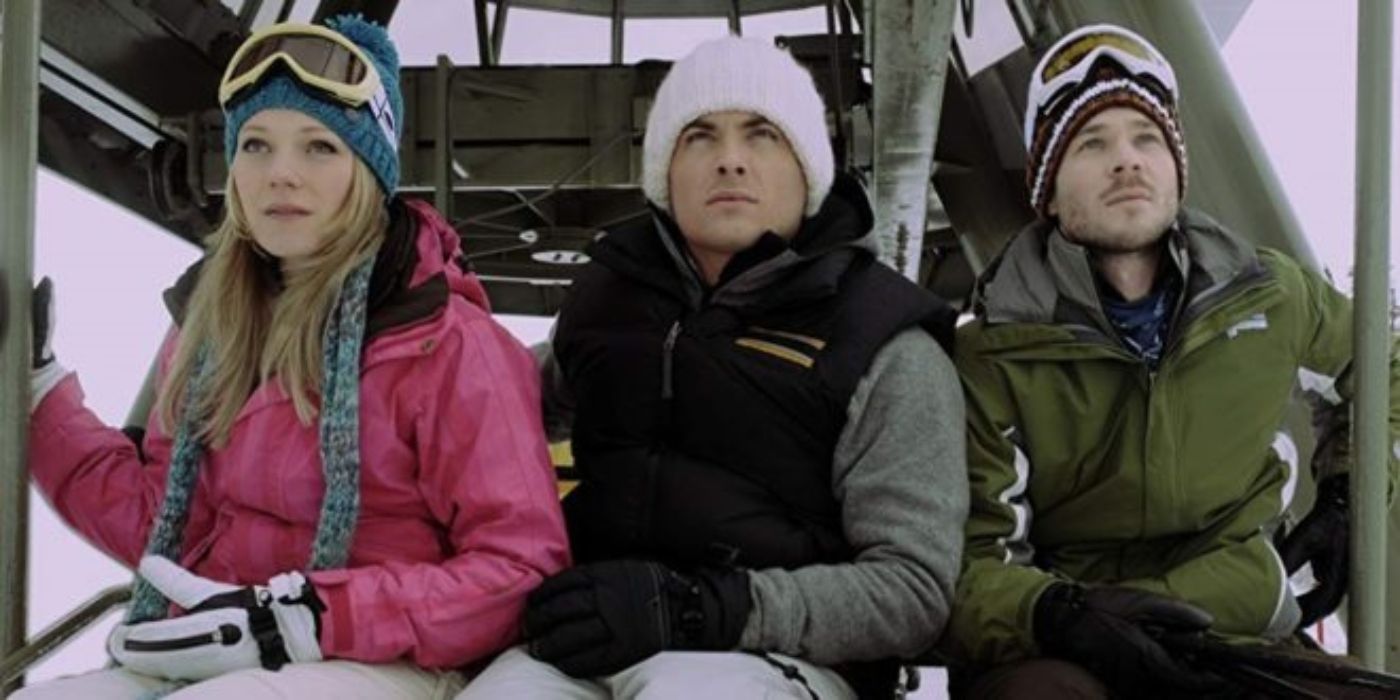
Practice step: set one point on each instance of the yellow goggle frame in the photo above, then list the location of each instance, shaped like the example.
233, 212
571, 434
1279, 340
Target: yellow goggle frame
319, 57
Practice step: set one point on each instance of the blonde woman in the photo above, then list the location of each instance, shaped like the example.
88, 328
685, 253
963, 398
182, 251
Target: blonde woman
344, 489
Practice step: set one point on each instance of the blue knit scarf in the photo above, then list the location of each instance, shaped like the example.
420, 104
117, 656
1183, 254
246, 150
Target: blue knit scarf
339, 444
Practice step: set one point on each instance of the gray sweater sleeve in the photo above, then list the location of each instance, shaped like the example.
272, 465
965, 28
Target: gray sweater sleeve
900, 475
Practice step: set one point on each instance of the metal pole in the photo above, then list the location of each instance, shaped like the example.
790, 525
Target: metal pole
140, 412
498, 29
867, 33
834, 62
618, 17
53, 637
19, 95
910, 64
1023, 19
442, 134
1371, 335
248, 14
483, 35
847, 16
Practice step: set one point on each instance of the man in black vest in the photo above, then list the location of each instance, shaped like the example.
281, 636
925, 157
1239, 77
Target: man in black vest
770, 438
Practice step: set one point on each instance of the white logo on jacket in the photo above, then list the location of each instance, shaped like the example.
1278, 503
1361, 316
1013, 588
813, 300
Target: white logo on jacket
1256, 322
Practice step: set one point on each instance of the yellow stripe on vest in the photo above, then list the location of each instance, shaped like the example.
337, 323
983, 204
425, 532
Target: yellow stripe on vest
775, 350
814, 343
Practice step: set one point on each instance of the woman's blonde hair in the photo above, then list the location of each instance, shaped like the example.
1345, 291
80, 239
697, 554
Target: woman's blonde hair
259, 323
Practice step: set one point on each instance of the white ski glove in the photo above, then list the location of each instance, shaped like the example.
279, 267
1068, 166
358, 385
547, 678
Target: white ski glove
226, 628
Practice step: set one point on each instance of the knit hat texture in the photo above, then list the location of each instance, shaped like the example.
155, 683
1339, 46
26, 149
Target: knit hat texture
371, 130
1052, 119
741, 75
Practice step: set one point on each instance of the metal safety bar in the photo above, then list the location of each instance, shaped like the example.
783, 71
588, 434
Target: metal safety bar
19, 93
1371, 336
61, 632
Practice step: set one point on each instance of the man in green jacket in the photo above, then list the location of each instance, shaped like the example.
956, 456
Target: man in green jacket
1127, 376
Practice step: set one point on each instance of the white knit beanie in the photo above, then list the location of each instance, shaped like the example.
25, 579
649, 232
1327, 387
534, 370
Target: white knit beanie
741, 75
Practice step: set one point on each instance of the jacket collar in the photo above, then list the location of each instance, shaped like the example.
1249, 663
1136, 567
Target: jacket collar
808, 266
414, 272
1042, 277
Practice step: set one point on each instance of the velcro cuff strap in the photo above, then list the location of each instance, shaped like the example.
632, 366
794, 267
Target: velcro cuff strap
297, 608
272, 652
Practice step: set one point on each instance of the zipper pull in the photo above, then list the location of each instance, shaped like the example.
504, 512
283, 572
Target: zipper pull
227, 635
667, 350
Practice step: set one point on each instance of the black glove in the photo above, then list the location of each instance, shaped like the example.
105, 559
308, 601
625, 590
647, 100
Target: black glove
597, 619
1321, 540
1112, 632
42, 322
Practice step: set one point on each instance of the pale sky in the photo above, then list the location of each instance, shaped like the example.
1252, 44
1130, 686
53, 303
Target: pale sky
1292, 61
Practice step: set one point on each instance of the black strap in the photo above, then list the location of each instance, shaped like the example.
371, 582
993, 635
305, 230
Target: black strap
789, 671
272, 651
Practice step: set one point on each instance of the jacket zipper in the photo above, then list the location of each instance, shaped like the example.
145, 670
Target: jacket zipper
1175, 336
225, 635
1225, 299
667, 350
1175, 339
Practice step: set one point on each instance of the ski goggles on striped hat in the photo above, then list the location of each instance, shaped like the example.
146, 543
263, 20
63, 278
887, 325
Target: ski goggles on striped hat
1070, 61
319, 57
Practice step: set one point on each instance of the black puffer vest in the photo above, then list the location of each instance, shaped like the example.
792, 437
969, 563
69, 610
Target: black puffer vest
707, 421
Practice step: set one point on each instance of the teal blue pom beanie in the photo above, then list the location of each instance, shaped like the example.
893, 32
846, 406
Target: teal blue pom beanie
372, 130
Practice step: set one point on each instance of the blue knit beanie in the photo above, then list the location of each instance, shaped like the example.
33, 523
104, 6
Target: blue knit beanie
366, 129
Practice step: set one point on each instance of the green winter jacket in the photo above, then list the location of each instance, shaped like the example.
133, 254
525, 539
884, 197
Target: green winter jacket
1084, 465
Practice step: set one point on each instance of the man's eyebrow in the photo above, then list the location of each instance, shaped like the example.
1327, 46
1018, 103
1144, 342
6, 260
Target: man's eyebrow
758, 120
1143, 123
1090, 130
701, 123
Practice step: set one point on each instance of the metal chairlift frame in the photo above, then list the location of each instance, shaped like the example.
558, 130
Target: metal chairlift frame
906, 62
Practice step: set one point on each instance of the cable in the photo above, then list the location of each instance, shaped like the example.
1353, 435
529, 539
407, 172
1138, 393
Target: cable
551, 190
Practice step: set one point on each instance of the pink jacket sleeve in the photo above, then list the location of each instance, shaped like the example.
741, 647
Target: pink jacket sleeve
486, 474
93, 475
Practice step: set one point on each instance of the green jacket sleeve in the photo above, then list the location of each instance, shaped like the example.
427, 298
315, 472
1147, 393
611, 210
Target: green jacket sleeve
992, 610
1214, 581
1325, 340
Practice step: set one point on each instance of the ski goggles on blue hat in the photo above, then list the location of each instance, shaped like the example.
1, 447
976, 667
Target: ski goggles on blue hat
318, 57
1070, 62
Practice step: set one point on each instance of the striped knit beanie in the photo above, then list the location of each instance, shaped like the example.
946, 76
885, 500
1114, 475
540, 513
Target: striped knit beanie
1092, 69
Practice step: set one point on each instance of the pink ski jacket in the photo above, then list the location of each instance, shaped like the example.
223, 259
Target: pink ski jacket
459, 514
